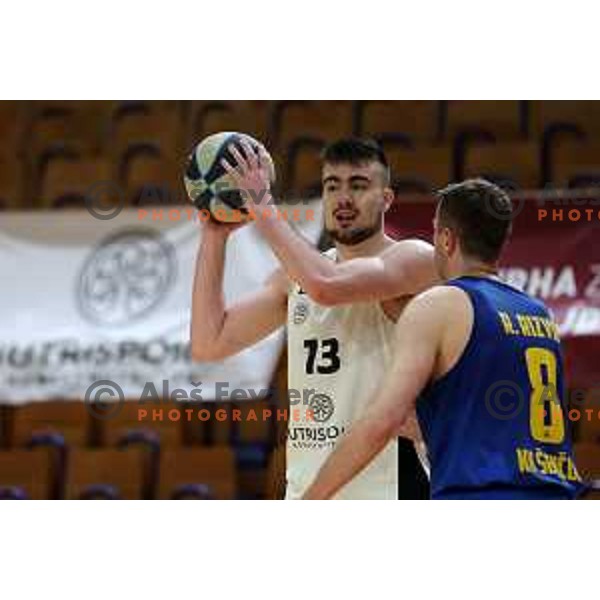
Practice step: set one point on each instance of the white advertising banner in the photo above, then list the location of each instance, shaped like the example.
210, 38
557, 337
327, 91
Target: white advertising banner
86, 300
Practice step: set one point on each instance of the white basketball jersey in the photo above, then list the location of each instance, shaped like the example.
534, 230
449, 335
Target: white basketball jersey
337, 358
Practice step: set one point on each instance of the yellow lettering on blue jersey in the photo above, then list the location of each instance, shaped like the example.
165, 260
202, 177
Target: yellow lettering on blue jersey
507, 323
537, 460
525, 325
525, 460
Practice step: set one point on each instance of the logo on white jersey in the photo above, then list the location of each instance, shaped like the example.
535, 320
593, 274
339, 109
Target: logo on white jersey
322, 407
301, 312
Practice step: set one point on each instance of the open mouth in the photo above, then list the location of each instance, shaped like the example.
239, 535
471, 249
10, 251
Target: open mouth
344, 218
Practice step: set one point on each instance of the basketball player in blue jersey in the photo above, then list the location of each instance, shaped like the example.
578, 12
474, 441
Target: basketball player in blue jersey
459, 347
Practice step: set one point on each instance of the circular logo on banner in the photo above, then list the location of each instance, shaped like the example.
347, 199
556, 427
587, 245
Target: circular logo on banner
126, 277
322, 407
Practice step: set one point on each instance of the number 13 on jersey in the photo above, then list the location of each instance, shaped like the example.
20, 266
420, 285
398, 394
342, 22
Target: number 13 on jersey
322, 355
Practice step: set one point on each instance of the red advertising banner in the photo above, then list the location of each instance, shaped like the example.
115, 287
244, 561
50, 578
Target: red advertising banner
553, 254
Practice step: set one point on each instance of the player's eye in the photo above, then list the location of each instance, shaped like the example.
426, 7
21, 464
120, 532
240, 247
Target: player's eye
359, 186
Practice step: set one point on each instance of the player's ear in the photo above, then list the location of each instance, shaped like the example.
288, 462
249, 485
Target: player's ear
452, 241
447, 240
388, 198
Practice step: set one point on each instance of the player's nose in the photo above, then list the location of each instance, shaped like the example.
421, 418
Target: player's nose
344, 201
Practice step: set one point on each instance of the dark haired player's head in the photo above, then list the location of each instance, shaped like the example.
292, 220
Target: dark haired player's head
472, 224
356, 189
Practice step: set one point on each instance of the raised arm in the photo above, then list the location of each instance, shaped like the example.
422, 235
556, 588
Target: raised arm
405, 269
218, 331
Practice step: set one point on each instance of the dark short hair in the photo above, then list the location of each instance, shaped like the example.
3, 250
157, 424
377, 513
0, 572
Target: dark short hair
355, 151
481, 215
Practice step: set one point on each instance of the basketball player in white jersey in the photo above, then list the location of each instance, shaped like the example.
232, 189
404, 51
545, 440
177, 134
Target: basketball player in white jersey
340, 307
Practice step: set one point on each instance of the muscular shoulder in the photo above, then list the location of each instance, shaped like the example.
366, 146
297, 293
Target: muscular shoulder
443, 296
415, 245
440, 298
444, 311
412, 260
438, 306
451, 317
411, 247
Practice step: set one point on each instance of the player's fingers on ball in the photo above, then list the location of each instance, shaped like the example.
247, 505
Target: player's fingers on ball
263, 159
260, 160
250, 154
239, 159
229, 168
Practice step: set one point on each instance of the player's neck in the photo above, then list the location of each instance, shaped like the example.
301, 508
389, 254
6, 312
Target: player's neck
369, 247
478, 270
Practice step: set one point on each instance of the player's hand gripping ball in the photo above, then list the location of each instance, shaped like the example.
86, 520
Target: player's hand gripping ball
209, 186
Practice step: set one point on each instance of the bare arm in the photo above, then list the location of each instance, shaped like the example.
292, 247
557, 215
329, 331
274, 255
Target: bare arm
420, 332
405, 269
218, 331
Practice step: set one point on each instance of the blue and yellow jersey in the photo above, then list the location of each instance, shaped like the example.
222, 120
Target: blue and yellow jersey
495, 424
